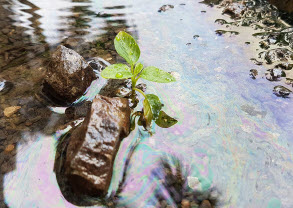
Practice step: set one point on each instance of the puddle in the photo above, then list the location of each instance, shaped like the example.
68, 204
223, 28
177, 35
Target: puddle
233, 140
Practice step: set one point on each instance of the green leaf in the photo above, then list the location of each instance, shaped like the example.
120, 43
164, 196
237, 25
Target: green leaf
155, 104
138, 68
116, 71
154, 74
147, 112
165, 121
126, 47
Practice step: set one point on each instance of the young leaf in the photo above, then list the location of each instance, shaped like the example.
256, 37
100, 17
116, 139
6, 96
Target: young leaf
126, 47
155, 104
138, 68
165, 121
147, 112
154, 74
116, 71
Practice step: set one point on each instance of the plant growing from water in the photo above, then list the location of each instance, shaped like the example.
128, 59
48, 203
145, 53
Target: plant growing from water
127, 47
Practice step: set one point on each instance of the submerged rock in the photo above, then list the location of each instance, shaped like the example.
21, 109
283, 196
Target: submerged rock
274, 74
117, 88
5, 86
93, 146
78, 111
98, 64
281, 91
253, 73
68, 76
121, 88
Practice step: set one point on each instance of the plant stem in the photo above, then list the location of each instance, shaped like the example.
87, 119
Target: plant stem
140, 91
133, 80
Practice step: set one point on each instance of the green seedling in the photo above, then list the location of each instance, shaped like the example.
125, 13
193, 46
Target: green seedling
127, 47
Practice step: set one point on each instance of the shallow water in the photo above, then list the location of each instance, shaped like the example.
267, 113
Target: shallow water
234, 135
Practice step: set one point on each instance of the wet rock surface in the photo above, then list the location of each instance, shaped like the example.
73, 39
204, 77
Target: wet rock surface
181, 191
122, 88
68, 76
275, 74
78, 111
277, 55
91, 149
281, 91
98, 64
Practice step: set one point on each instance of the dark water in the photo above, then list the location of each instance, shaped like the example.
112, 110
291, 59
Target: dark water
234, 136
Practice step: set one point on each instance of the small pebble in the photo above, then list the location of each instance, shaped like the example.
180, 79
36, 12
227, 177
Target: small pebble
9, 148
9, 111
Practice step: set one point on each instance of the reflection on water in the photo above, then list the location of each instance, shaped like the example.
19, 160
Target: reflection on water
52, 21
233, 141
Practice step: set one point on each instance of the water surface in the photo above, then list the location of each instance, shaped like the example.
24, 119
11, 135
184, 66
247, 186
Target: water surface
234, 135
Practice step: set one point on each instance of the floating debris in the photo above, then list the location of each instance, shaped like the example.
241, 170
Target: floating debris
195, 36
222, 32
165, 8
256, 62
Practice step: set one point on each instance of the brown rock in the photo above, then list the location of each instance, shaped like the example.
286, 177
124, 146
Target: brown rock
68, 76
93, 146
205, 204
9, 111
